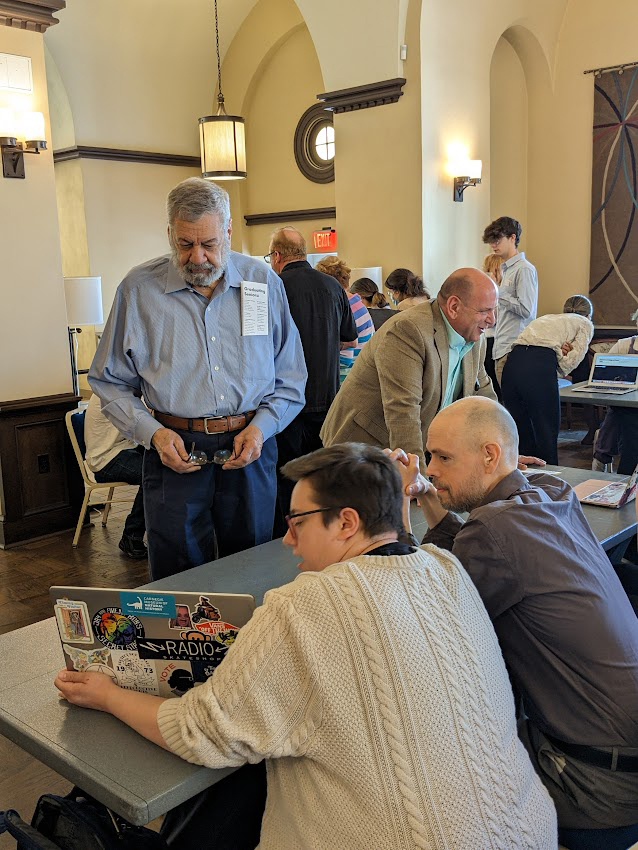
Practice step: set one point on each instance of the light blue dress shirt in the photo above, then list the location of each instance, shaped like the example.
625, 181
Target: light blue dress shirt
186, 356
457, 349
517, 302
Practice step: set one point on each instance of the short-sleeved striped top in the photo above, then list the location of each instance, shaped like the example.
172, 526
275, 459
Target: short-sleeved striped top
365, 329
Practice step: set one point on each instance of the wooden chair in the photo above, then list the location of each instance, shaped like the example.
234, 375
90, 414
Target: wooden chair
75, 427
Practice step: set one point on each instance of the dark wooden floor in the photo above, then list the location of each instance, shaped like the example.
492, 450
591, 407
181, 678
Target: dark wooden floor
26, 573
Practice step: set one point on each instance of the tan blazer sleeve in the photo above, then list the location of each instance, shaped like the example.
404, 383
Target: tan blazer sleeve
400, 365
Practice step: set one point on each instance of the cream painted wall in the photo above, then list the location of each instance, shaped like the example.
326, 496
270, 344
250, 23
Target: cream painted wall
593, 35
33, 332
455, 107
508, 136
276, 102
125, 206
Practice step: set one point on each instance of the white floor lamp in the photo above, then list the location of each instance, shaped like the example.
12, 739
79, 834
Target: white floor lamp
83, 297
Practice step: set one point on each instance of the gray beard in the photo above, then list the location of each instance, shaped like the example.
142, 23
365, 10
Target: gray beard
204, 275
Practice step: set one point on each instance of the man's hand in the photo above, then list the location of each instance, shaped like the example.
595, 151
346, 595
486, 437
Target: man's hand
170, 448
407, 465
89, 690
529, 460
566, 347
246, 447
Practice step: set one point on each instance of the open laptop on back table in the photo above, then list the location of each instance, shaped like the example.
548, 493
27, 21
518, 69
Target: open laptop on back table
612, 373
157, 642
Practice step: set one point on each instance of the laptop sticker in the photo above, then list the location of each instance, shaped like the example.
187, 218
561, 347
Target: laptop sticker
115, 631
205, 611
182, 618
73, 621
143, 604
90, 660
133, 673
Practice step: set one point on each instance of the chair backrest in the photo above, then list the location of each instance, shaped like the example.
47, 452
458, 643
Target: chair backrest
75, 428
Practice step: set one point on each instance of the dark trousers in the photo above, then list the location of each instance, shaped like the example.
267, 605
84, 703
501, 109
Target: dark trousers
530, 393
198, 516
627, 420
227, 815
597, 839
489, 365
127, 466
298, 439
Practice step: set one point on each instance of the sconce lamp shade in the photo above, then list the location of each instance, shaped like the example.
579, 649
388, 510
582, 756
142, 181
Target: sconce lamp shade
223, 147
83, 297
33, 127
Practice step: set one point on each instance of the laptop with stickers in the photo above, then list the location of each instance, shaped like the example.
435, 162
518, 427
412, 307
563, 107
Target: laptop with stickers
612, 373
606, 494
157, 642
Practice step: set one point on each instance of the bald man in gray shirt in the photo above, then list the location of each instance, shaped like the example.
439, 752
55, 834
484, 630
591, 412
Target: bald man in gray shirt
566, 628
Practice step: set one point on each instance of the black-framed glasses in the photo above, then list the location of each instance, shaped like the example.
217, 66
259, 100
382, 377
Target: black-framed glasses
268, 256
290, 517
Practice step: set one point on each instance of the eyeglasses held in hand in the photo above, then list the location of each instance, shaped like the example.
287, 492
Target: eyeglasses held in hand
200, 458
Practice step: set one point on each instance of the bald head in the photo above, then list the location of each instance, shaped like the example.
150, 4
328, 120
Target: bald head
289, 242
478, 421
468, 300
473, 445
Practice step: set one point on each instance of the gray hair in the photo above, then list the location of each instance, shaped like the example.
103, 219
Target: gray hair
195, 197
579, 304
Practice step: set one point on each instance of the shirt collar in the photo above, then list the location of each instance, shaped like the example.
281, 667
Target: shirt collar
506, 487
512, 260
455, 340
175, 283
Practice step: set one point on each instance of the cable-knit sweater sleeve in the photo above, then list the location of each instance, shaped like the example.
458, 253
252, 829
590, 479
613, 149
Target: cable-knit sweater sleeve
263, 700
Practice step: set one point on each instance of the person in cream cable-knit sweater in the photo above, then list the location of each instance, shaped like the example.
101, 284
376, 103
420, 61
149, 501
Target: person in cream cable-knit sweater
373, 685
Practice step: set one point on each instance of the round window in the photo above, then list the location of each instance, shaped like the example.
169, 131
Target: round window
315, 144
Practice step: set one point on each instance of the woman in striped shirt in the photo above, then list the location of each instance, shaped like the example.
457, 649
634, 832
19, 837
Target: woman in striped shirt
341, 272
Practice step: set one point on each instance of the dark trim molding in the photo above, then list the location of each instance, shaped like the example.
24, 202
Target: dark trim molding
363, 97
40, 401
290, 215
35, 15
118, 155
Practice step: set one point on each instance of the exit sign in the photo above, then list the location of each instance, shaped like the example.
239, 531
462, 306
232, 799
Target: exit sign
325, 240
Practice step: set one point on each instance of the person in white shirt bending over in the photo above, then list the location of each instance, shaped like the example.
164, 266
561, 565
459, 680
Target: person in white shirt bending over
549, 346
373, 686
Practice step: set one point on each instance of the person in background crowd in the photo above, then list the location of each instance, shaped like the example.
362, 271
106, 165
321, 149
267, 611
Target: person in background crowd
406, 289
111, 457
372, 685
619, 432
365, 328
174, 336
568, 633
319, 307
518, 293
421, 361
375, 301
549, 344
492, 267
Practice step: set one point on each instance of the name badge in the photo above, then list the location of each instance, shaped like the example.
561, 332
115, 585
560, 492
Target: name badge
254, 308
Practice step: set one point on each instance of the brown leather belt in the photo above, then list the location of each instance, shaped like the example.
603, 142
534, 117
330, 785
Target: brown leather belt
208, 424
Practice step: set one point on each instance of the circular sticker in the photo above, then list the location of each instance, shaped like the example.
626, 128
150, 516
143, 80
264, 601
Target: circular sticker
116, 630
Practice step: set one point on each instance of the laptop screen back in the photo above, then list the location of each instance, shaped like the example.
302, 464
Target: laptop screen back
615, 370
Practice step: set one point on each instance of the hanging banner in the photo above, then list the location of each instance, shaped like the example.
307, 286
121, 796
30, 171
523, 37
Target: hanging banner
613, 282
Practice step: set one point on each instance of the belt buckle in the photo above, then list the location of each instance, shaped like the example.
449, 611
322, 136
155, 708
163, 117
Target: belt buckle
214, 418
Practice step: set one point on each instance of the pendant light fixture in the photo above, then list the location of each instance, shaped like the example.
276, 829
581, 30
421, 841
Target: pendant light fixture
221, 137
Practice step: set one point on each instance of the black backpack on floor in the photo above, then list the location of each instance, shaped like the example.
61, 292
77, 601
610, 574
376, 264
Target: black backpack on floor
77, 822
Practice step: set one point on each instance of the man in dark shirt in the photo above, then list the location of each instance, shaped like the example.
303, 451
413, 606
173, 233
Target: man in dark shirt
567, 631
320, 309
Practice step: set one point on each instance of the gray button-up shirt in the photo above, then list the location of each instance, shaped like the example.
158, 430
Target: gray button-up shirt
517, 302
567, 630
186, 356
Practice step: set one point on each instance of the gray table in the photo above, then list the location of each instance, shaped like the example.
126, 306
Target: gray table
568, 395
135, 778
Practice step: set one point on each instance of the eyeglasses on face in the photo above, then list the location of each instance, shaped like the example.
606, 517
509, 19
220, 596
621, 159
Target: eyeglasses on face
268, 256
290, 517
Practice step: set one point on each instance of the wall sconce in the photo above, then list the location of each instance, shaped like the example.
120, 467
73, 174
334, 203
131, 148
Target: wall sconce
463, 170
16, 140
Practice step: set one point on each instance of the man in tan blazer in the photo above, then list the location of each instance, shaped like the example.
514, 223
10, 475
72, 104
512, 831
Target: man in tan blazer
417, 363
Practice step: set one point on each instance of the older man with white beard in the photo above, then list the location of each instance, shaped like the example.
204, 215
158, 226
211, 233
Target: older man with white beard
205, 336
